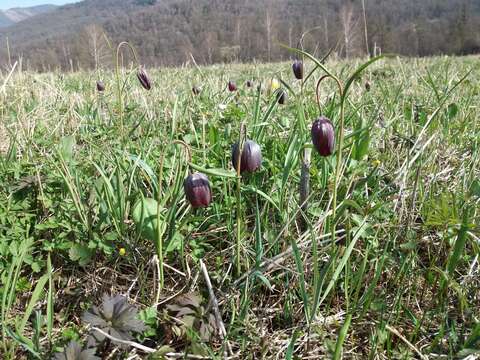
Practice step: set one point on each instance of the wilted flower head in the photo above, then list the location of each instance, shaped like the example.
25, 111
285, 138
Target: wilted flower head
251, 158
115, 317
75, 352
144, 78
282, 97
249, 83
323, 136
297, 68
232, 86
197, 190
100, 86
367, 85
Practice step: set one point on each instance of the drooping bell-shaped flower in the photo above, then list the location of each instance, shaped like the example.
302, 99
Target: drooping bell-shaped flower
196, 90
144, 78
197, 190
297, 68
232, 86
251, 158
100, 86
323, 136
282, 97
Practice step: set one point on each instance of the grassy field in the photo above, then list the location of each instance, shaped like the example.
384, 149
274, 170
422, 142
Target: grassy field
379, 259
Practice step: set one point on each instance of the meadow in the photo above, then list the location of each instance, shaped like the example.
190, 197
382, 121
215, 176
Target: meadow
369, 253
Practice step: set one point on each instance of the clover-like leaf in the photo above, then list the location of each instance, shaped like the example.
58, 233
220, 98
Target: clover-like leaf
191, 315
75, 352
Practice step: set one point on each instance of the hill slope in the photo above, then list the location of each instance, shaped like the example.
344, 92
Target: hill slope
15, 15
166, 32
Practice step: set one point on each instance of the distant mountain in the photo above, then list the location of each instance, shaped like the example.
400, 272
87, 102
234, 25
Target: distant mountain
15, 15
170, 32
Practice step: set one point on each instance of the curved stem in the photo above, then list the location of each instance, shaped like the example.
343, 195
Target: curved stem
308, 32
188, 152
117, 73
317, 88
339, 156
341, 126
159, 233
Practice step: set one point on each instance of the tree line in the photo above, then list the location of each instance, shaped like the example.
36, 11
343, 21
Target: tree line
173, 32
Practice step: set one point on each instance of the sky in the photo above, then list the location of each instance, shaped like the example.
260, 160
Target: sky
7, 4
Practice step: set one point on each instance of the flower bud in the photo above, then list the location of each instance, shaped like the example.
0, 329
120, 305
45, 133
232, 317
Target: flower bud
144, 79
323, 136
367, 86
251, 159
232, 86
297, 68
282, 97
197, 190
100, 86
272, 86
249, 83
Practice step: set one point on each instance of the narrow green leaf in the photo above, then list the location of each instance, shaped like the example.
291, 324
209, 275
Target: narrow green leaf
291, 345
50, 302
215, 172
459, 246
37, 292
344, 260
23, 342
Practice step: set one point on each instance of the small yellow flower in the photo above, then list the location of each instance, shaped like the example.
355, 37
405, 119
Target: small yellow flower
376, 163
122, 251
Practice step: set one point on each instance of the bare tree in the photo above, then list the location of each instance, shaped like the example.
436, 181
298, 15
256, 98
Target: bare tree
365, 26
210, 45
268, 25
349, 23
96, 44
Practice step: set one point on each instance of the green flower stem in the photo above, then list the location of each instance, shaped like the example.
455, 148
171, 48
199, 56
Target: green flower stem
238, 243
117, 74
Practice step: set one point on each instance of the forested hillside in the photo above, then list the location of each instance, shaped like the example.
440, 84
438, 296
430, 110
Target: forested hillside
168, 32
12, 16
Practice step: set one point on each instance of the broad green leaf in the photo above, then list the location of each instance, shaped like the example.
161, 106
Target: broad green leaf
145, 217
80, 253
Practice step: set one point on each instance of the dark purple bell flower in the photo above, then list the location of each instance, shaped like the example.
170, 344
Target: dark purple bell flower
196, 90
232, 86
282, 97
323, 136
297, 68
100, 86
144, 79
251, 159
197, 190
